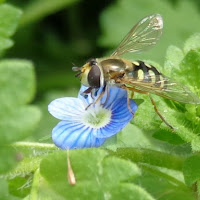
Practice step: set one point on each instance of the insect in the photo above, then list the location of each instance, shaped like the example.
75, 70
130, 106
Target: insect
135, 76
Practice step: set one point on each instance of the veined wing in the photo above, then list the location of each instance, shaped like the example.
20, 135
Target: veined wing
143, 35
164, 87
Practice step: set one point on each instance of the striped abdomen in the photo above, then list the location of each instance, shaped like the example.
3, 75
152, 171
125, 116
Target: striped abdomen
143, 72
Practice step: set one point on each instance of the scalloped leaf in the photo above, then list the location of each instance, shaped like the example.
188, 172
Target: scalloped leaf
17, 82
20, 186
9, 19
168, 136
8, 158
18, 123
17, 87
174, 56
191, 169
97, 176
192, 43
190, 68
162, 185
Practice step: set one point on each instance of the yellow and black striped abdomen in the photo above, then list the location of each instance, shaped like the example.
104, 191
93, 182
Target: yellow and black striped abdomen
142, 72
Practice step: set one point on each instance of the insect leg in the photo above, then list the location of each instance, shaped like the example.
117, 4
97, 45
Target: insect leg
107, 95
128, 104
89, 90
128, 100
156, 110
99, 97
92, 93
152, 101
132, 94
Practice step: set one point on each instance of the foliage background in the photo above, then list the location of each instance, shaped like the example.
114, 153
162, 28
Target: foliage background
40, 41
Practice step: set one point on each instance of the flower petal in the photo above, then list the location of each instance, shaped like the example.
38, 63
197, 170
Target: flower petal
67, 108
68, 135
113, 94
120, 117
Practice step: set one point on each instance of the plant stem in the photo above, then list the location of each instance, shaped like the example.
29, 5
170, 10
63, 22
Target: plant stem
35, 145
35, 185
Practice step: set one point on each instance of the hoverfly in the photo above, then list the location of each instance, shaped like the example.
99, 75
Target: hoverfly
136, 76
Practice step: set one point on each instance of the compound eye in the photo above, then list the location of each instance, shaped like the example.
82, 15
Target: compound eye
94, 77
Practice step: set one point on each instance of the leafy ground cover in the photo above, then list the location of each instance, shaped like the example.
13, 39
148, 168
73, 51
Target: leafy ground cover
146, 160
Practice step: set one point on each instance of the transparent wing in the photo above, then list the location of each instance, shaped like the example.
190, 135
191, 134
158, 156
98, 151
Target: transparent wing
143, 35
164, 87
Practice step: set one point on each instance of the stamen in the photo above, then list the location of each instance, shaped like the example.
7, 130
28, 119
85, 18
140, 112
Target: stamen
97, 117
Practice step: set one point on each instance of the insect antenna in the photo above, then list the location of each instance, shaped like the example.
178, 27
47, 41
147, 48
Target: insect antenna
76, 69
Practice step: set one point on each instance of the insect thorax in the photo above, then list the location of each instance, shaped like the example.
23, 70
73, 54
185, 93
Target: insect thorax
114, 68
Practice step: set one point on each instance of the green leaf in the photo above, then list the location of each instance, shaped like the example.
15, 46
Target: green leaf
145, 116
191, 169
110, 143
128, 191
174, 56
4, 193
147, 119
17, 82
27, 157
46, 192
39, 9
184, 129
168, 136
8, 159
5, 43
96, 175
18, 123
9, 18
163, 186
132, 136
190, 68
179, 195
20, 186
29, 154
192, 43
17, 87
118, 18
193, 115
151, 157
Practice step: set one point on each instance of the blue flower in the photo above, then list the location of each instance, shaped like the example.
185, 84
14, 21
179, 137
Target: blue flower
81, 127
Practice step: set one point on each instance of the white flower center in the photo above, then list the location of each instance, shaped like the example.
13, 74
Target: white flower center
97, 117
